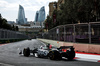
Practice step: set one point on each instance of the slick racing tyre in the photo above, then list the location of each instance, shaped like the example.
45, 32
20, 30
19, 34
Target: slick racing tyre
26, 52
54, 55
71, 55
51, 55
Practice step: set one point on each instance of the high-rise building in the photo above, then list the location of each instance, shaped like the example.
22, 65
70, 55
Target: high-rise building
36, 16
40, 15
21, 16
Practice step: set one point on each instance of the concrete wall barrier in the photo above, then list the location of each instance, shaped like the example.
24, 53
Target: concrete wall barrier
81, 47
89, 48
94, 49
52, 42
67, 44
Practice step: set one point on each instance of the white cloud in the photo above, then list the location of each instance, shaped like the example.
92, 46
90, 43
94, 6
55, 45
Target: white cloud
3, 3
30, 6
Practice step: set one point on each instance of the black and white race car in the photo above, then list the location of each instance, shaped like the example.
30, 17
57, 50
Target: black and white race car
53, 53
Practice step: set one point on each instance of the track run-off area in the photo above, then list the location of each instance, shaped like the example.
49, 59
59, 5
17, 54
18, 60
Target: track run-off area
9, 56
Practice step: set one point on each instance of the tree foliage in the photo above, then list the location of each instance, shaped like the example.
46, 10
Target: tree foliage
4, 25
74, 11
48, 22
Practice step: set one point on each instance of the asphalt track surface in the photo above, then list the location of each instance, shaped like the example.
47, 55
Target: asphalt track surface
9, 56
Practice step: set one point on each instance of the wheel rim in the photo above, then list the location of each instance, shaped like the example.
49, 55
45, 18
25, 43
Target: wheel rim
51, 56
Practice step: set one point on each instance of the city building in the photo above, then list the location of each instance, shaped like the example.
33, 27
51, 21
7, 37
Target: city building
34, 27
55, 5
31, 23
40, 15
10, 22
59, 4
51, 8
32, 30
36, 16
29, 29
21, 16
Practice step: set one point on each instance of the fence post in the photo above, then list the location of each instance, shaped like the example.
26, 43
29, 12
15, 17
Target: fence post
58, 34
7, 34
64, 33
10, 35
0, 33
74, 34
4, 34
89, 32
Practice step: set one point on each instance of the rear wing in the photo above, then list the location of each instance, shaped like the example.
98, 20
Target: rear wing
65, 47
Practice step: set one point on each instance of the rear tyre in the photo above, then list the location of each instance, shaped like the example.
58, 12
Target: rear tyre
54, 55
26, 52
71, 55
51, 55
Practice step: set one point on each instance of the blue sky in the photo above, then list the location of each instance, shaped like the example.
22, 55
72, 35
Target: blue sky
9, 8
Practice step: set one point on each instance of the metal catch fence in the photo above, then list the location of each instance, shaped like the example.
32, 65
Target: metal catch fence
82, 33
8, 34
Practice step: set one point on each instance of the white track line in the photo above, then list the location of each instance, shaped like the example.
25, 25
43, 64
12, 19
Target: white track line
3, 64
43, 43
86, 57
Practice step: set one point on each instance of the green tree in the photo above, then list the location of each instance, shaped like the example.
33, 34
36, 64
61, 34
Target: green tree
74, 11
3, 23
48, 22
17, 28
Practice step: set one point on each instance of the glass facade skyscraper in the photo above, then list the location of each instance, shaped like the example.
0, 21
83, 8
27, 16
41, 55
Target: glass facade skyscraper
21, 16
36, 16
40, 15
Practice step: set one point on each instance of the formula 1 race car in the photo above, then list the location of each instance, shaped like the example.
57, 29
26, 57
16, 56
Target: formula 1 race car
53, 53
